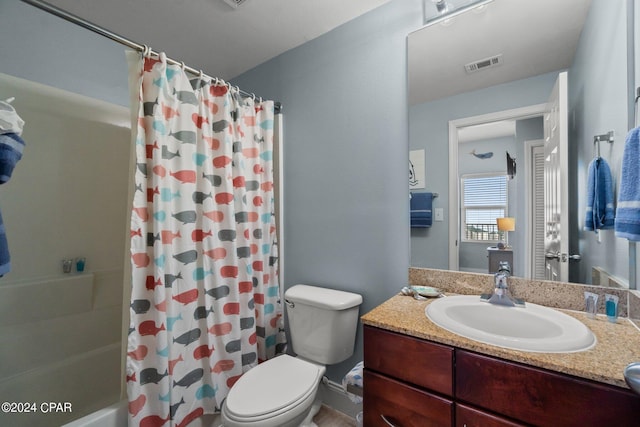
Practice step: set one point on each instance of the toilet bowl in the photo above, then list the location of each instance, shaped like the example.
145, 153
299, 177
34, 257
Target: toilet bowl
277, 393
281, 392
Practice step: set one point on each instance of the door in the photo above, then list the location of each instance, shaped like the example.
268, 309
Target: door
556, 183
535, 233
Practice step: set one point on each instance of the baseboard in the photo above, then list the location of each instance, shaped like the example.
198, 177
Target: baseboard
334, 396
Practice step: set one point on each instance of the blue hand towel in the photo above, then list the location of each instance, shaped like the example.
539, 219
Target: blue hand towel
600, 212
11, 146
628, 210
420, 209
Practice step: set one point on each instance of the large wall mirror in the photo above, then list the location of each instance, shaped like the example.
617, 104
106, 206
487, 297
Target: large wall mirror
481, 91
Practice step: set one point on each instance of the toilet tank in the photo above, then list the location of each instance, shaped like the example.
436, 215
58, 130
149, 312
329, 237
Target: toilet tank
322, 322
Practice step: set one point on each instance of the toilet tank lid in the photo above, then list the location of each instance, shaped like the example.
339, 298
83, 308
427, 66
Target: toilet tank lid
322, 297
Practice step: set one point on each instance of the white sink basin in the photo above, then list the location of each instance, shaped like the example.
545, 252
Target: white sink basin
532, 328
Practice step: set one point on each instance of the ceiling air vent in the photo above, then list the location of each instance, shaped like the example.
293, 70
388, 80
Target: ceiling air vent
481, 64
234, 3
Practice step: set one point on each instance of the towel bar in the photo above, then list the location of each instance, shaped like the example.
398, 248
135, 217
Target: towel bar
433, 195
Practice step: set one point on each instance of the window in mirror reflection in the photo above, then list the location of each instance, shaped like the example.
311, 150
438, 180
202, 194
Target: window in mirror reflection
484, 198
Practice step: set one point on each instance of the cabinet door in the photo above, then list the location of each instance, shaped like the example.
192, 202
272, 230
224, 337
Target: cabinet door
390, 403
467, 416
540, 397
409, 359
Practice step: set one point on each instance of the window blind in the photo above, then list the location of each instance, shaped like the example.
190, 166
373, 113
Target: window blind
484, 198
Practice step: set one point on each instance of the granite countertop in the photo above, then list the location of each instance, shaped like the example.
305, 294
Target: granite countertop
617, 344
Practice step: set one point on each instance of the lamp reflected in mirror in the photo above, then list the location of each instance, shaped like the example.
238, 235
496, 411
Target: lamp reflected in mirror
505, 225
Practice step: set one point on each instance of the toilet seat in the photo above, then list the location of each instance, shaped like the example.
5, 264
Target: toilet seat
272, 388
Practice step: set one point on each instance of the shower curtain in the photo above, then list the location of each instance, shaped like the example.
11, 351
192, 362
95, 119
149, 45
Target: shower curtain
205, 304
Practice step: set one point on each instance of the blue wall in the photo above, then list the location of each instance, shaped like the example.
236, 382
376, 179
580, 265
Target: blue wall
346, 188
43, 48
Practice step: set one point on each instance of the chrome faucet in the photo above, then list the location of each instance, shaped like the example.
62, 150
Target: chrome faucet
501, 294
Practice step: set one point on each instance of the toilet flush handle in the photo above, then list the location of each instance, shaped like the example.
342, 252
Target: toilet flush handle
289, 303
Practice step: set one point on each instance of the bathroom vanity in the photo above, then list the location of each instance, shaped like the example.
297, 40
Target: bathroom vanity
417, 374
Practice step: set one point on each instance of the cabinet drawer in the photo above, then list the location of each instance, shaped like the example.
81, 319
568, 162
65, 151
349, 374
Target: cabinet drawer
402, 405
416, 361
470, 417
540, 397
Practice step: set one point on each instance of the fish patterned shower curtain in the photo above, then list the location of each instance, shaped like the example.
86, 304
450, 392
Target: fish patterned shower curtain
205, 301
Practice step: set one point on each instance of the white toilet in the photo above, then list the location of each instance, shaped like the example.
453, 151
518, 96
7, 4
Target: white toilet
281, 392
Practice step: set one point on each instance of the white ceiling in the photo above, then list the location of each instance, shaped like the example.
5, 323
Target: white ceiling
211, 35
534, 37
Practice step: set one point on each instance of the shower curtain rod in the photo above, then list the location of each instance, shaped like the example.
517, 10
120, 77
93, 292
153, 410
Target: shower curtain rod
122, 40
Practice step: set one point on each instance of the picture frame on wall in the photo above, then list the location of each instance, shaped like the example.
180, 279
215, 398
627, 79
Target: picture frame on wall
416, 169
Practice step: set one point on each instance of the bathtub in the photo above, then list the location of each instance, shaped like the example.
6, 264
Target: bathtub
111, 416
116, 416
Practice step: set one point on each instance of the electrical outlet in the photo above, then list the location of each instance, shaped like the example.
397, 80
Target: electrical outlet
439, 214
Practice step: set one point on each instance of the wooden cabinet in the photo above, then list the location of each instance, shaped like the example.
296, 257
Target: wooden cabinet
410, 382
467, 416
419, 362
391, 402
407, 381
540, 397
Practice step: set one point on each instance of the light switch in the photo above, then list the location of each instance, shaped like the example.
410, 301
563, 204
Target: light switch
439, 214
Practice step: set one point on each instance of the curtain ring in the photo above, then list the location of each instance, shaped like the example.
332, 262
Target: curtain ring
145, 50
182, 65
253, 96
199, 82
